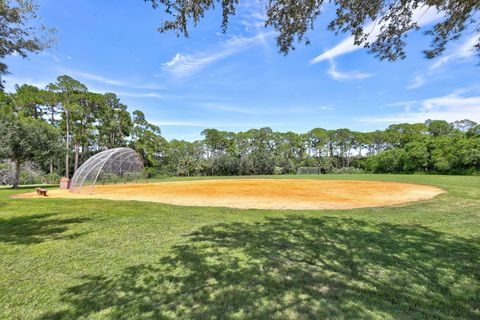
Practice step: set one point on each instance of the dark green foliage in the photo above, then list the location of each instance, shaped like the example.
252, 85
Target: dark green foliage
391, 160
91, 122
88, 122
434, 146
293, 19
20, 31
146, 139
442, 150
26, 139
438, 127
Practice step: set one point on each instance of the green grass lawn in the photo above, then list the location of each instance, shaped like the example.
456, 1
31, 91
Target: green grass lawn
98, 259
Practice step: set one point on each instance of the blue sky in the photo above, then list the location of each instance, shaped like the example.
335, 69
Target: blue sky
238, 80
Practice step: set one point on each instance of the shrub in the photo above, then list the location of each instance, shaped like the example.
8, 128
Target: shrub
51, 178
6, 173
277, 170
388, 161
30, 177
31, 174
106, 177
150, 172
131, 176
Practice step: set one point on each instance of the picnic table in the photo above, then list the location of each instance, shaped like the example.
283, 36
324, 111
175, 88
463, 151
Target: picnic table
42, 192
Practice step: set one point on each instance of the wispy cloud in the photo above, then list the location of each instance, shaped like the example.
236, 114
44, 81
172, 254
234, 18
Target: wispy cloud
216, 106
407, 105
11, 81
458, 53
128, 94
423, 16
252, 15
327, 108
139, 95
104, 80
254, 20
184, 65
219, 124
262, 110
337, 75
417, 82
464, 51
454, 106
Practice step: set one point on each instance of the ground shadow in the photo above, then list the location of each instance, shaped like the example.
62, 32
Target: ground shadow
37, 228
293, 268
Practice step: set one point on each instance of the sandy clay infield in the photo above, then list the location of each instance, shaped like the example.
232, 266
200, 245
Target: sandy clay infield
295, 194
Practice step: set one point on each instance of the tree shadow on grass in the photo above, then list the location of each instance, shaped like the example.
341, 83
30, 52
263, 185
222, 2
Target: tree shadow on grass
37, 228
293, 268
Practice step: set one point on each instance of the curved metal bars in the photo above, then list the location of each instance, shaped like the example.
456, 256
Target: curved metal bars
107, 166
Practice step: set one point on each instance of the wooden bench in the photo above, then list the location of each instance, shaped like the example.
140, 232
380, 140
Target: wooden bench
42, 192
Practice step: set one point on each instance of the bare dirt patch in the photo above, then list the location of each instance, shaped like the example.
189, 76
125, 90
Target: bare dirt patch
296, 194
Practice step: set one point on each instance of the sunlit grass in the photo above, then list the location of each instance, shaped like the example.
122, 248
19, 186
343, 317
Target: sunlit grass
67, 259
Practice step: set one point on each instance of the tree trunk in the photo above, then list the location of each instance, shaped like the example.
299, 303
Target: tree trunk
67, 157
17, 174
84, 152
75, 163
35, 112
112, 139
52, 122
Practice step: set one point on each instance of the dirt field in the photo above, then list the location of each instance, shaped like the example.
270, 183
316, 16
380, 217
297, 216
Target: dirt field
262, 193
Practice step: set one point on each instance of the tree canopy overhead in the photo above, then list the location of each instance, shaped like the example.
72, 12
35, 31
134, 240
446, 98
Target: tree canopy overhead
21, 32
292, 20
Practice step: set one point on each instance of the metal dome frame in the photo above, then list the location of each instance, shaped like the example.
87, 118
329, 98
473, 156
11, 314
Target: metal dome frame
114, 162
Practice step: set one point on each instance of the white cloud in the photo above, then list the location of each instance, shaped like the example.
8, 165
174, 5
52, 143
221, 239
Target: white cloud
11, 81
327, 108
220, 124
127, 93
464, 51
252, 15
177, 59
184, 65
423, 16
417, 82
263, 110
179, 124
337, 75
139, 95
214, 106
105, 80
458, 53
407, 105
451, 107
51, 55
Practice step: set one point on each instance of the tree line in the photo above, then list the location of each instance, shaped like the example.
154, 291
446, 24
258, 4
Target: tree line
60, 126
435, 146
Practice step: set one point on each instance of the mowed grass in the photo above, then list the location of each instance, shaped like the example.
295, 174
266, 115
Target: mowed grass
97, 259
